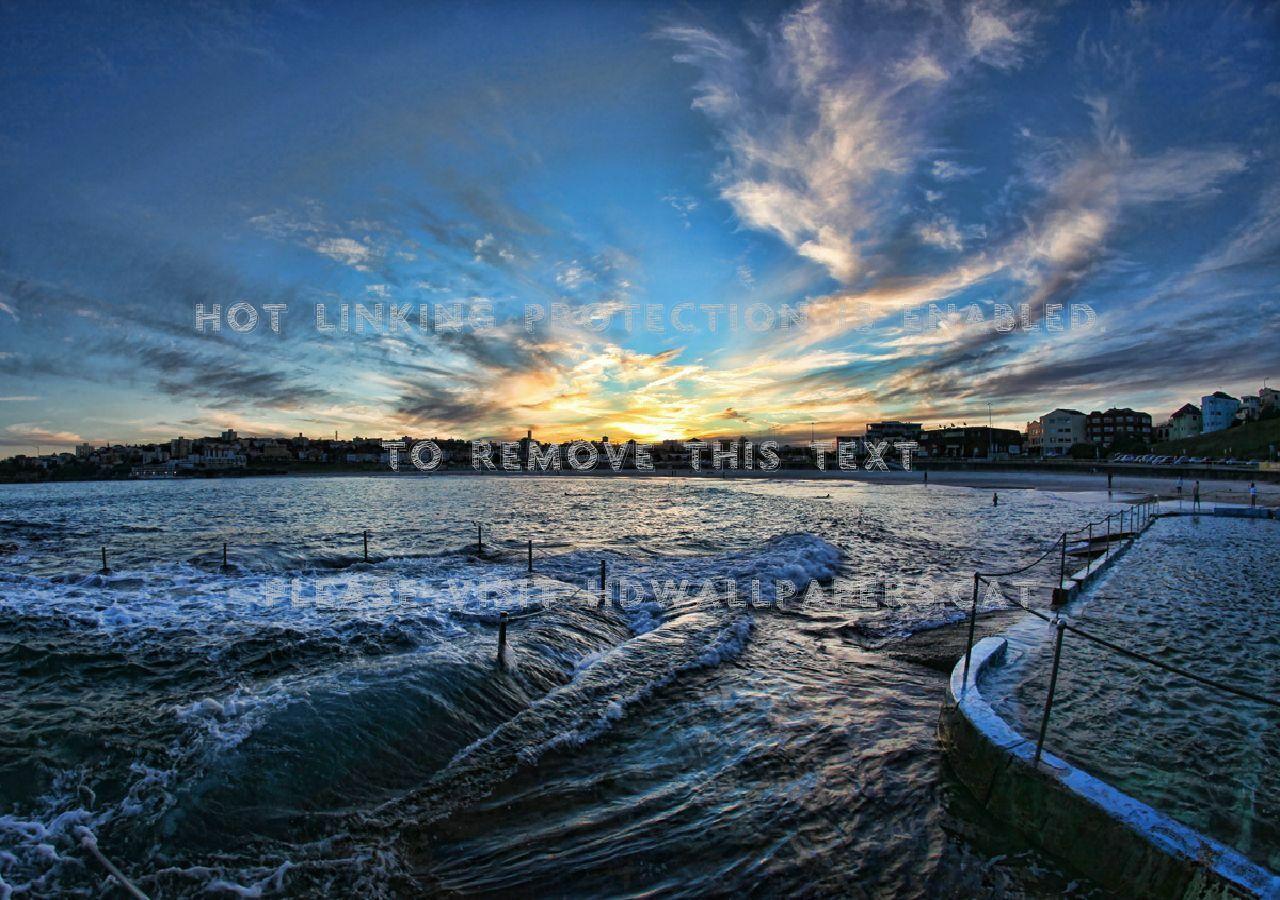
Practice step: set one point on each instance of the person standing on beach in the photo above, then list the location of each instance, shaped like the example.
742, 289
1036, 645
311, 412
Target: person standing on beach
1109, 482
1195, 495
995, 499
1253, 494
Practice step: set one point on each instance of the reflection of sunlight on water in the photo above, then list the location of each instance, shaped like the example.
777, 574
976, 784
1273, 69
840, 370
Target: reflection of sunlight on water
304, 683
1200, 593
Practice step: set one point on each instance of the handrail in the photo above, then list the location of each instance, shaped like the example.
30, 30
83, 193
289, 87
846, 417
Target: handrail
1176, 670
1142, 514
1059, 544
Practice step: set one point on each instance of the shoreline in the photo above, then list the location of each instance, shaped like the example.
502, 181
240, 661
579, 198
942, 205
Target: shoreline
1212, 490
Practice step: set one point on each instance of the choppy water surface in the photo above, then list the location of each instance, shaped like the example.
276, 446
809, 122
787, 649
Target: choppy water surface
1201, 593
308, 723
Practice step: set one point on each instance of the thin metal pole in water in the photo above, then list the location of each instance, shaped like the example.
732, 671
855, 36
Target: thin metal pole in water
973, 624
530, 555
1062, 562
224, 555
105, 570
1088, 557
479, 538
366, 545
1053, 685
602, 584
502, 637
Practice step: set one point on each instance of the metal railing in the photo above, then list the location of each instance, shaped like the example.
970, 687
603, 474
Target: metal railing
1137, 518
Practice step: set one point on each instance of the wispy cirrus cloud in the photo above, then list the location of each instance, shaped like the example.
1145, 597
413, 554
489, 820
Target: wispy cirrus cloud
819, 139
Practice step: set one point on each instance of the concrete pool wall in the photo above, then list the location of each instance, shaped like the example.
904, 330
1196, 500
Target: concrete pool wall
1119, 841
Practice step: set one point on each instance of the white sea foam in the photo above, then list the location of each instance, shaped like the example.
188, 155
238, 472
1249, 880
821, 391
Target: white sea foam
726, 644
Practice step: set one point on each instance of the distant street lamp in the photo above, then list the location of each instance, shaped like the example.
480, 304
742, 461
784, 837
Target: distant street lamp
990, 436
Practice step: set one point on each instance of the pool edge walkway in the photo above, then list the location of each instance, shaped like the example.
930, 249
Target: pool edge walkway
1116, 839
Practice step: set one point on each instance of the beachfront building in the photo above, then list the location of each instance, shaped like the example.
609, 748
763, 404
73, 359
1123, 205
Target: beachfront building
1105, 428
1250, 409
972, 442
216, 457
1217, 411
671, 454
1033, 438
893, 431
1061, 430
1269, 398
1185, 423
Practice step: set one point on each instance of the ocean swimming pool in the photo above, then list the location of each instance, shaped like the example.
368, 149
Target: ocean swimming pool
1198, 592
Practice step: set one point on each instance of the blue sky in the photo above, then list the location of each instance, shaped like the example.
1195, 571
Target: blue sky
864, 160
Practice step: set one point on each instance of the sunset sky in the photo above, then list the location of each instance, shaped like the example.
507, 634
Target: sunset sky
864, 159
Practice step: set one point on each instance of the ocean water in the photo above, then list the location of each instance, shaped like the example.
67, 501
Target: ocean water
305, 723
1201, 593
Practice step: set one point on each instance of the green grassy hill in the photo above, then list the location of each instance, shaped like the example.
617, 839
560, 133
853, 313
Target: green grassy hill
1251, 441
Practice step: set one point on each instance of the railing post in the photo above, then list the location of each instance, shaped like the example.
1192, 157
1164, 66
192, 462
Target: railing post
1088, 557
105, 569
530, 568
973, 624
1053, 685
366, 545
1062, 563
502, 637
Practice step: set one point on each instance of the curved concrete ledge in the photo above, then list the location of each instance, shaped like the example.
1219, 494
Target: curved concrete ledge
1120, 842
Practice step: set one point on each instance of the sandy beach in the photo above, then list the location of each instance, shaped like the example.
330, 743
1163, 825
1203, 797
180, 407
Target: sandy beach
1212, 491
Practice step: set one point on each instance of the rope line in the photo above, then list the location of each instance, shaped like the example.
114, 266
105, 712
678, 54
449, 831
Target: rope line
89, 843
1102, 642
1150, 660
982, 576
1169, 667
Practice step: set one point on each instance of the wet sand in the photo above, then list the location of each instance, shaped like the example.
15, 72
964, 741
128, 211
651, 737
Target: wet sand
1211, 490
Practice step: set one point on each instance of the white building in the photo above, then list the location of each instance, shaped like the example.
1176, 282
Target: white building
1217, 410
215, 457
1185, 423
1061, 430
1250, 409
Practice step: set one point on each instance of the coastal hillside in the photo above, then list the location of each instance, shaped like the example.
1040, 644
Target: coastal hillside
1249, 441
